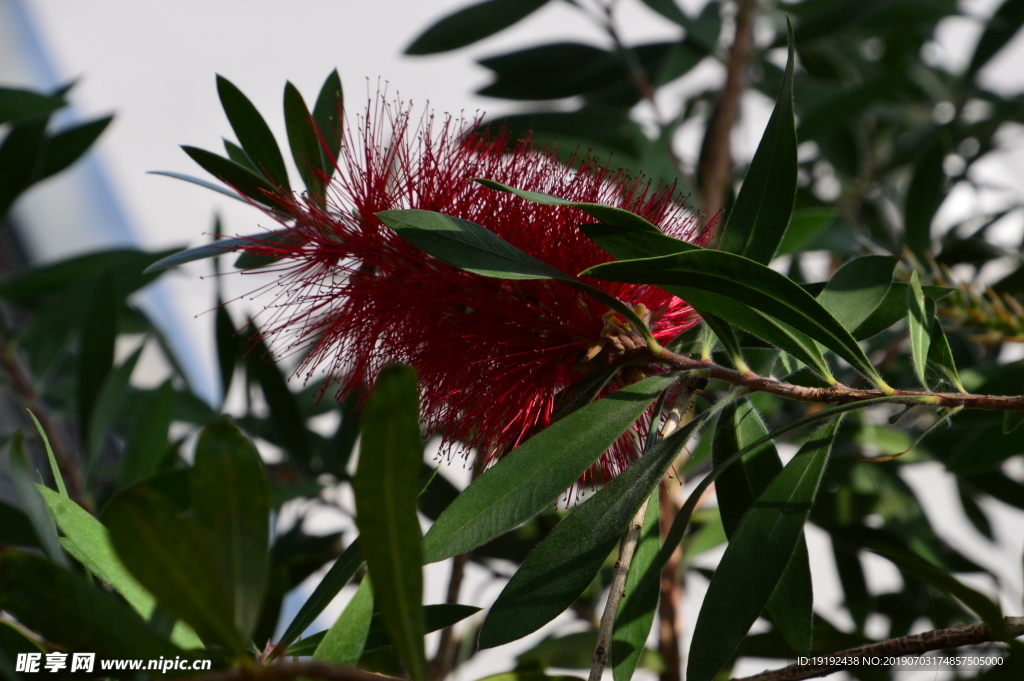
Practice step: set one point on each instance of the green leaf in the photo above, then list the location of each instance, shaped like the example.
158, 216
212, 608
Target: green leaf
606, 214
473, 248
327, 114
231, 509
740, 424
336, 578
761, 214
211, 250
919, 320
147, 438
237, 176
54, 468
633, 624
32, 502
171, 561
471, 24
253, 133
227, 347
582, 392
1012, 421
749, 283
1000, 29
804, 228
20, 155
894, 308
857, 289
284, 409
302, 139
96, 349
436, 616
88, 541
528, 479
238, 155
757, 556
202, 183
570, 556
16, 528
727, 338
925, 194
386, 485
108, 404
65, 609
68, 145
343, 644
941, 356
17, 104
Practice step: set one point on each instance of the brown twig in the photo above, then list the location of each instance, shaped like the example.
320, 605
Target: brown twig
716, 163
448, 645
295, 670
837, 395
954, 637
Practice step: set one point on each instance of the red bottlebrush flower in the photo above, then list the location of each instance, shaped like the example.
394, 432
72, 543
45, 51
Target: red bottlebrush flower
492, 355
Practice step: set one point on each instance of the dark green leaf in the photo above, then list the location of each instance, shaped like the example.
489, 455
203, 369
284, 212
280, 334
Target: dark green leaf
924, 196
68, 145
333, 582
528, 479
745, 281
894, 308
250, 260
32, 503
227, 347
1012, 421
302, 139
88, 541
757, 556
327, 114
471, 24
473, 248
171, 561
16, 528
804, 228
17, 104
920, 322
582, 392
202, 183
96, 351
569, 558
633, 624
1001, 28
231, 509
761, 214
284, 410
737, 488
253, 133
941, 356
211, 250
857, 598
234, 174
973, 511
857, 289
238, 155
386, 485
344, 642
20, 159
65, 609
727, 338
109, 402
599, 128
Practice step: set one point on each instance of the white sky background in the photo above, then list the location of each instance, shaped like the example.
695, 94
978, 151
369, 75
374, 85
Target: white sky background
153, 64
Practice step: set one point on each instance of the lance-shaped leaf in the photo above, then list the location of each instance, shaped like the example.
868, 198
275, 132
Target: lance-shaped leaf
211, 250
253, 133
757, 556
569, 558
727, 338
1012, 421
247, 182
64, 608
32, 503
633, 624
231, 509
470, 24
344, 641
528, 479
925, 194
941, 356
171, 560
302, 139
327, 114
230, 193
627, 243
88, 541
386, 486
1000, 29
17, 104
747, 282
857, 289
737, 487
761, 214
919, 317
473, 248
